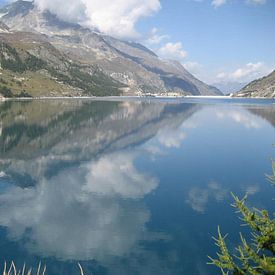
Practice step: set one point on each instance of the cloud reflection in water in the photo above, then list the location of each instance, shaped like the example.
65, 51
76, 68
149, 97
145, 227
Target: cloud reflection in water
90, 212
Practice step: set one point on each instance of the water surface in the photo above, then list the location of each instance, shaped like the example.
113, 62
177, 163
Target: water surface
130, 186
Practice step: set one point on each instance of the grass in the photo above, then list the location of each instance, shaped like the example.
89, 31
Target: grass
36, 83
12, 270
41, 270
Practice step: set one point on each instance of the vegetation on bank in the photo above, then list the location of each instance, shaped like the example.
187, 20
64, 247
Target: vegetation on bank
88, 81
257, 256
6, 92
262, 87
10, 60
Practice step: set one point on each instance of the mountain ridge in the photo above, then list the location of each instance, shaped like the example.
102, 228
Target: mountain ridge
262, 87
138, 69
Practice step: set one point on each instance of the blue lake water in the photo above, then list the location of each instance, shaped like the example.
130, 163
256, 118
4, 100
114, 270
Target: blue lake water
129, 186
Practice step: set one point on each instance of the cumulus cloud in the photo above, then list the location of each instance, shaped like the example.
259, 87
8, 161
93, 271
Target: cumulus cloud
195, 68
117, 18
71, 10
241, 117
115, 175
3, 174
80, 214
192, 66
171, 138
248, 69
251, 189
246, 73
172, 51
155, 38
218, 3
199, 197
256, 2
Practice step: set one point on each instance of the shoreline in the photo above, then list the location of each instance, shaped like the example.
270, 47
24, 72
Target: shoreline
129, 97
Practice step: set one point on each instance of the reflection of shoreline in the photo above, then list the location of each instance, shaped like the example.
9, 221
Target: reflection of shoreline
105, 97
186, 98
72, 134
267, 114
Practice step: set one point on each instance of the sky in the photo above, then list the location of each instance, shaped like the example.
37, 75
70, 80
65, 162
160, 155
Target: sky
216, 40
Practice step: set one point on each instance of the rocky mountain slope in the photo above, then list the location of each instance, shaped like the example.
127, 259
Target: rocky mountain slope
31, 66
263, 87
126, 67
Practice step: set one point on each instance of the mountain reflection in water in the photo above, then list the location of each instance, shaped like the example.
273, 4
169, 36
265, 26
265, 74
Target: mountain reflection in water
127, 187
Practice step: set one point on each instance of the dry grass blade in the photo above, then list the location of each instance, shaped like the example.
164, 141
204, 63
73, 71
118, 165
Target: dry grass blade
9, 272
5, 269
81, 270
38, 269
41, 270
44, 270
23, 270
14, 268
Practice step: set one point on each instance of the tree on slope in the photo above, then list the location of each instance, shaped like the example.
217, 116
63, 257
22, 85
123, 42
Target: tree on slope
257, 256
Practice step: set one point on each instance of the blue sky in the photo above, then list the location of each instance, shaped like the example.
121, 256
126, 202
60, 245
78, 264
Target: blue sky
217, 40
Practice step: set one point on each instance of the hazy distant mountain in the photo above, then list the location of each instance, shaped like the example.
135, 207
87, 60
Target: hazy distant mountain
227, 87
102, 62
263, 87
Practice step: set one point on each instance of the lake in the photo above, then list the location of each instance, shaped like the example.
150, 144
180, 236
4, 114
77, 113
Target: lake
129, 186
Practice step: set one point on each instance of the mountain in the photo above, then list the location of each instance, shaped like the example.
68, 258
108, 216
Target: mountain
31, 66
127, 67
228, 87
263, 87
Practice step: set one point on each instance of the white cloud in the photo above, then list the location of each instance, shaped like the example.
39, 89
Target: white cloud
171, 138
241, 117
248, 69
251, 189
192, 67
256, 2
155, 38
245, 120
196, 69
246, 73
73, 11
199, 197
117, 18
89, 212
218, 3
115, 175
2, 174
172, 51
